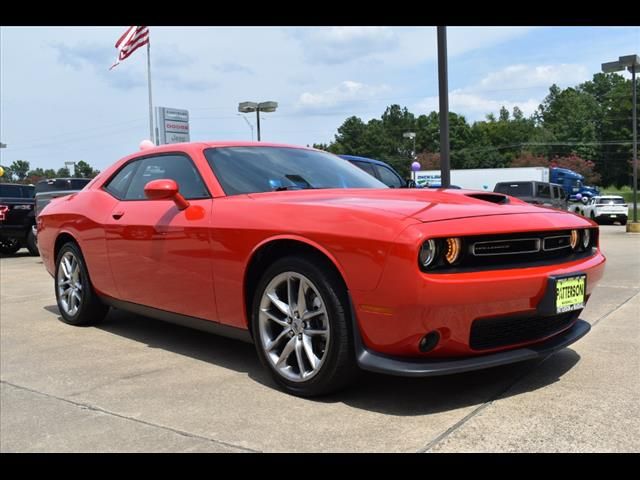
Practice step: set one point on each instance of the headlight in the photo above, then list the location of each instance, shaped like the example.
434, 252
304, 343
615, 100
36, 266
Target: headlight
427, 253
574, 239
586, 238
453, 250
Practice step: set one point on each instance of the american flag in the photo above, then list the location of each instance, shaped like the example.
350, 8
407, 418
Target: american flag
130, 41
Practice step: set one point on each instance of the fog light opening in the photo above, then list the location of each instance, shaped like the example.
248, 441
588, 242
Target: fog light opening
429, 341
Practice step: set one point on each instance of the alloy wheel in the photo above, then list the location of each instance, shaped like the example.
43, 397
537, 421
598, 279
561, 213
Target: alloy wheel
69, 284
294, 326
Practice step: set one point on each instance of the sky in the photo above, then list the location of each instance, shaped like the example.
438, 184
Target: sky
60, 103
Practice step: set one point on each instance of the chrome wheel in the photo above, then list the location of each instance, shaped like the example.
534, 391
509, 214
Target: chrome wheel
69, 284
293, 326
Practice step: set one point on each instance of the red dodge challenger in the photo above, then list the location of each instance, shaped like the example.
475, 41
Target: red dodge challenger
320, 265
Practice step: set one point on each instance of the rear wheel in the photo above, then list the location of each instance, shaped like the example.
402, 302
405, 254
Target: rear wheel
9, 246
77, 302
300, 327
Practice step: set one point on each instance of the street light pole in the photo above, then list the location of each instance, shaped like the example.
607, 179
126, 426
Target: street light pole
246, 107
258, 120
635, 144
443, 94
631, 63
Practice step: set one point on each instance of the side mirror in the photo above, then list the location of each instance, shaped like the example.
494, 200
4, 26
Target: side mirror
164, 189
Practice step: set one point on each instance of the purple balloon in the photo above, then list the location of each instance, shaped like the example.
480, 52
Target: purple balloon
415, 166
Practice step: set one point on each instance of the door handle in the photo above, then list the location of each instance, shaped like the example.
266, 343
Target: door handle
117, 215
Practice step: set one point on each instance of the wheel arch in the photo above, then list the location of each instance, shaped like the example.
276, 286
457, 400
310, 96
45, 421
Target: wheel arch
267, 252
61, 239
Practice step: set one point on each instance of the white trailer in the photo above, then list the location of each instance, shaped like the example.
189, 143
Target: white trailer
482, 178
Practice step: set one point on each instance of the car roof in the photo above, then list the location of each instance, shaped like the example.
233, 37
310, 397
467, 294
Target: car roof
364, 159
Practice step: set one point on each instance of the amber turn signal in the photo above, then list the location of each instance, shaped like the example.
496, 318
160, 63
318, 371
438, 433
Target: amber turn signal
453, 250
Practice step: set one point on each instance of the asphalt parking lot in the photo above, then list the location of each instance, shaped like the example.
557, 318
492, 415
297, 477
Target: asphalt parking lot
134, 384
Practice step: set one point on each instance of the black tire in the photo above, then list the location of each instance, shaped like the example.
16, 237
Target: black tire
32, 244
338, 367
623, 222
9, 246
91, 310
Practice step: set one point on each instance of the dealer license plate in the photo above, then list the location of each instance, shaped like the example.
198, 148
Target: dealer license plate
570, 293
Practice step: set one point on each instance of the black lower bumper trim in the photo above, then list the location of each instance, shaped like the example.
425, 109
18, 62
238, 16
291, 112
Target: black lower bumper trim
379, 363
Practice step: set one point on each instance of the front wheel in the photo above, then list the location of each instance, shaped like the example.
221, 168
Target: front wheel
300, 326
77, 302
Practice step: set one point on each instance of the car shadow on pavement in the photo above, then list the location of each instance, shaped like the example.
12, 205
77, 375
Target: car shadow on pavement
373, 392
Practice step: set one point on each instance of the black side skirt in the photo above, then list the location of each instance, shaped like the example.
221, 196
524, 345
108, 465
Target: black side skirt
179, 319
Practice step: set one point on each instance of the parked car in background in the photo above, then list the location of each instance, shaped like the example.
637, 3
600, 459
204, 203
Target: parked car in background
378, 169
538, 193
17, 218
319, 264
56, 187
603, 209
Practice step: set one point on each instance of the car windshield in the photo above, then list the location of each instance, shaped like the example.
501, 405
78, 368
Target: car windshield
264, 169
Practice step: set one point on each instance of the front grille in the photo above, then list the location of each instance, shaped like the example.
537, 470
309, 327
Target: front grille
505, 247
490, 333
497, 250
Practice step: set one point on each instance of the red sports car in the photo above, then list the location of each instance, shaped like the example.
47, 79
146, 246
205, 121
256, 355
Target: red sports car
319, 264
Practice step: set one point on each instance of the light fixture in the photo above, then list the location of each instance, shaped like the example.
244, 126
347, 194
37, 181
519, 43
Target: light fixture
427, 253
453, 250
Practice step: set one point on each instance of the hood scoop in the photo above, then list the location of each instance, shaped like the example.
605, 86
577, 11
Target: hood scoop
490, 197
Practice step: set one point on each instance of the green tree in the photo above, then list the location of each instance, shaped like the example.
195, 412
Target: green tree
20, 169
63, 172
84, 170
571, 115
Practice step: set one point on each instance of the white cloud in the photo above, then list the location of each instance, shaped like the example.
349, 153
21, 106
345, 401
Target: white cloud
524, 86
475, 106
347, 93
335, 45
528, 76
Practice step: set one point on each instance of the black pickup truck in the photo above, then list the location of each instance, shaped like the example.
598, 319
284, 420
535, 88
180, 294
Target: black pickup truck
17, 218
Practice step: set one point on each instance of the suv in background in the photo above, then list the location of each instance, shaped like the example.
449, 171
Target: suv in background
538, 193
46, 190
378, 169
17, 218
604, 209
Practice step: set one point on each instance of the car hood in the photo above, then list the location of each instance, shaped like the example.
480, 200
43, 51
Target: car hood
423, 205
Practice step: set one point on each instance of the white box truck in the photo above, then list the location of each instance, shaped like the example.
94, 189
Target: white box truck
482, 178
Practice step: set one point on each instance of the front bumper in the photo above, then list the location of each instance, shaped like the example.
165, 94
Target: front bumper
375, 362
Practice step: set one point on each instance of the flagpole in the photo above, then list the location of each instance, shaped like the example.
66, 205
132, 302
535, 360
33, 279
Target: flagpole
151, 136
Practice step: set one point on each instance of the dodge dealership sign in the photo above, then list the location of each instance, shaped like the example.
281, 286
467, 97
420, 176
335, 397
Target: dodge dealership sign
172, 125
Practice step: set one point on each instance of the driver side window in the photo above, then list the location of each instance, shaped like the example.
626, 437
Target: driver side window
173, 167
